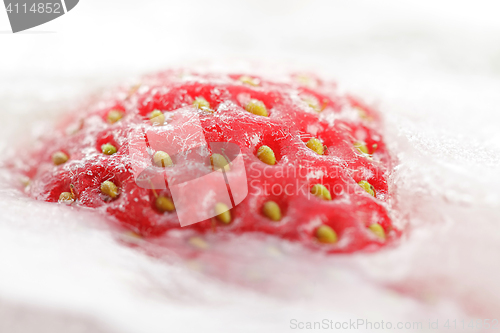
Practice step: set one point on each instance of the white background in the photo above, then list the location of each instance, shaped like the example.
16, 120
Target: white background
432, 67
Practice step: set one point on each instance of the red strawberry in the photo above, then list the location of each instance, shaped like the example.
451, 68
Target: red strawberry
315, 162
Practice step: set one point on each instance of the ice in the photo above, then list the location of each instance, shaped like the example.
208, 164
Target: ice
433, 69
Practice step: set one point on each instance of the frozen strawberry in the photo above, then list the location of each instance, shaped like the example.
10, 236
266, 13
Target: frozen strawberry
296, 159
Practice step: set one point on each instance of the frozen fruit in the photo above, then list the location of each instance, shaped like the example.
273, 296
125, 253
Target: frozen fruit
316, 163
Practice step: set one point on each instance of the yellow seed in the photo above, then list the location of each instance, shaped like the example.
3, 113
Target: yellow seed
272, 210
66, 197
256, 107
114, 116
157, 118
321, 192
219, 162
266, 155
164, 204
222, 212
313, 103
108, 149
249, 80
109, 188
25, 181
326, 234
367, 187
361, 147
133, 90
316, 146
131, 236
305, 80
162, 159
59, 158
202, 104
363, 114
377, 230
198, 242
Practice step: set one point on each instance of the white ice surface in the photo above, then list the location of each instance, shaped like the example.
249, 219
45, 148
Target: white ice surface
433, 69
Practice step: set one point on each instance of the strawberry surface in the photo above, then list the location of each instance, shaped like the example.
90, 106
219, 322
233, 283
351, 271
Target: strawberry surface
314, 162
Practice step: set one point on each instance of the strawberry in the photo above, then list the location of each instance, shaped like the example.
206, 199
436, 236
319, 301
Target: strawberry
313, 163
